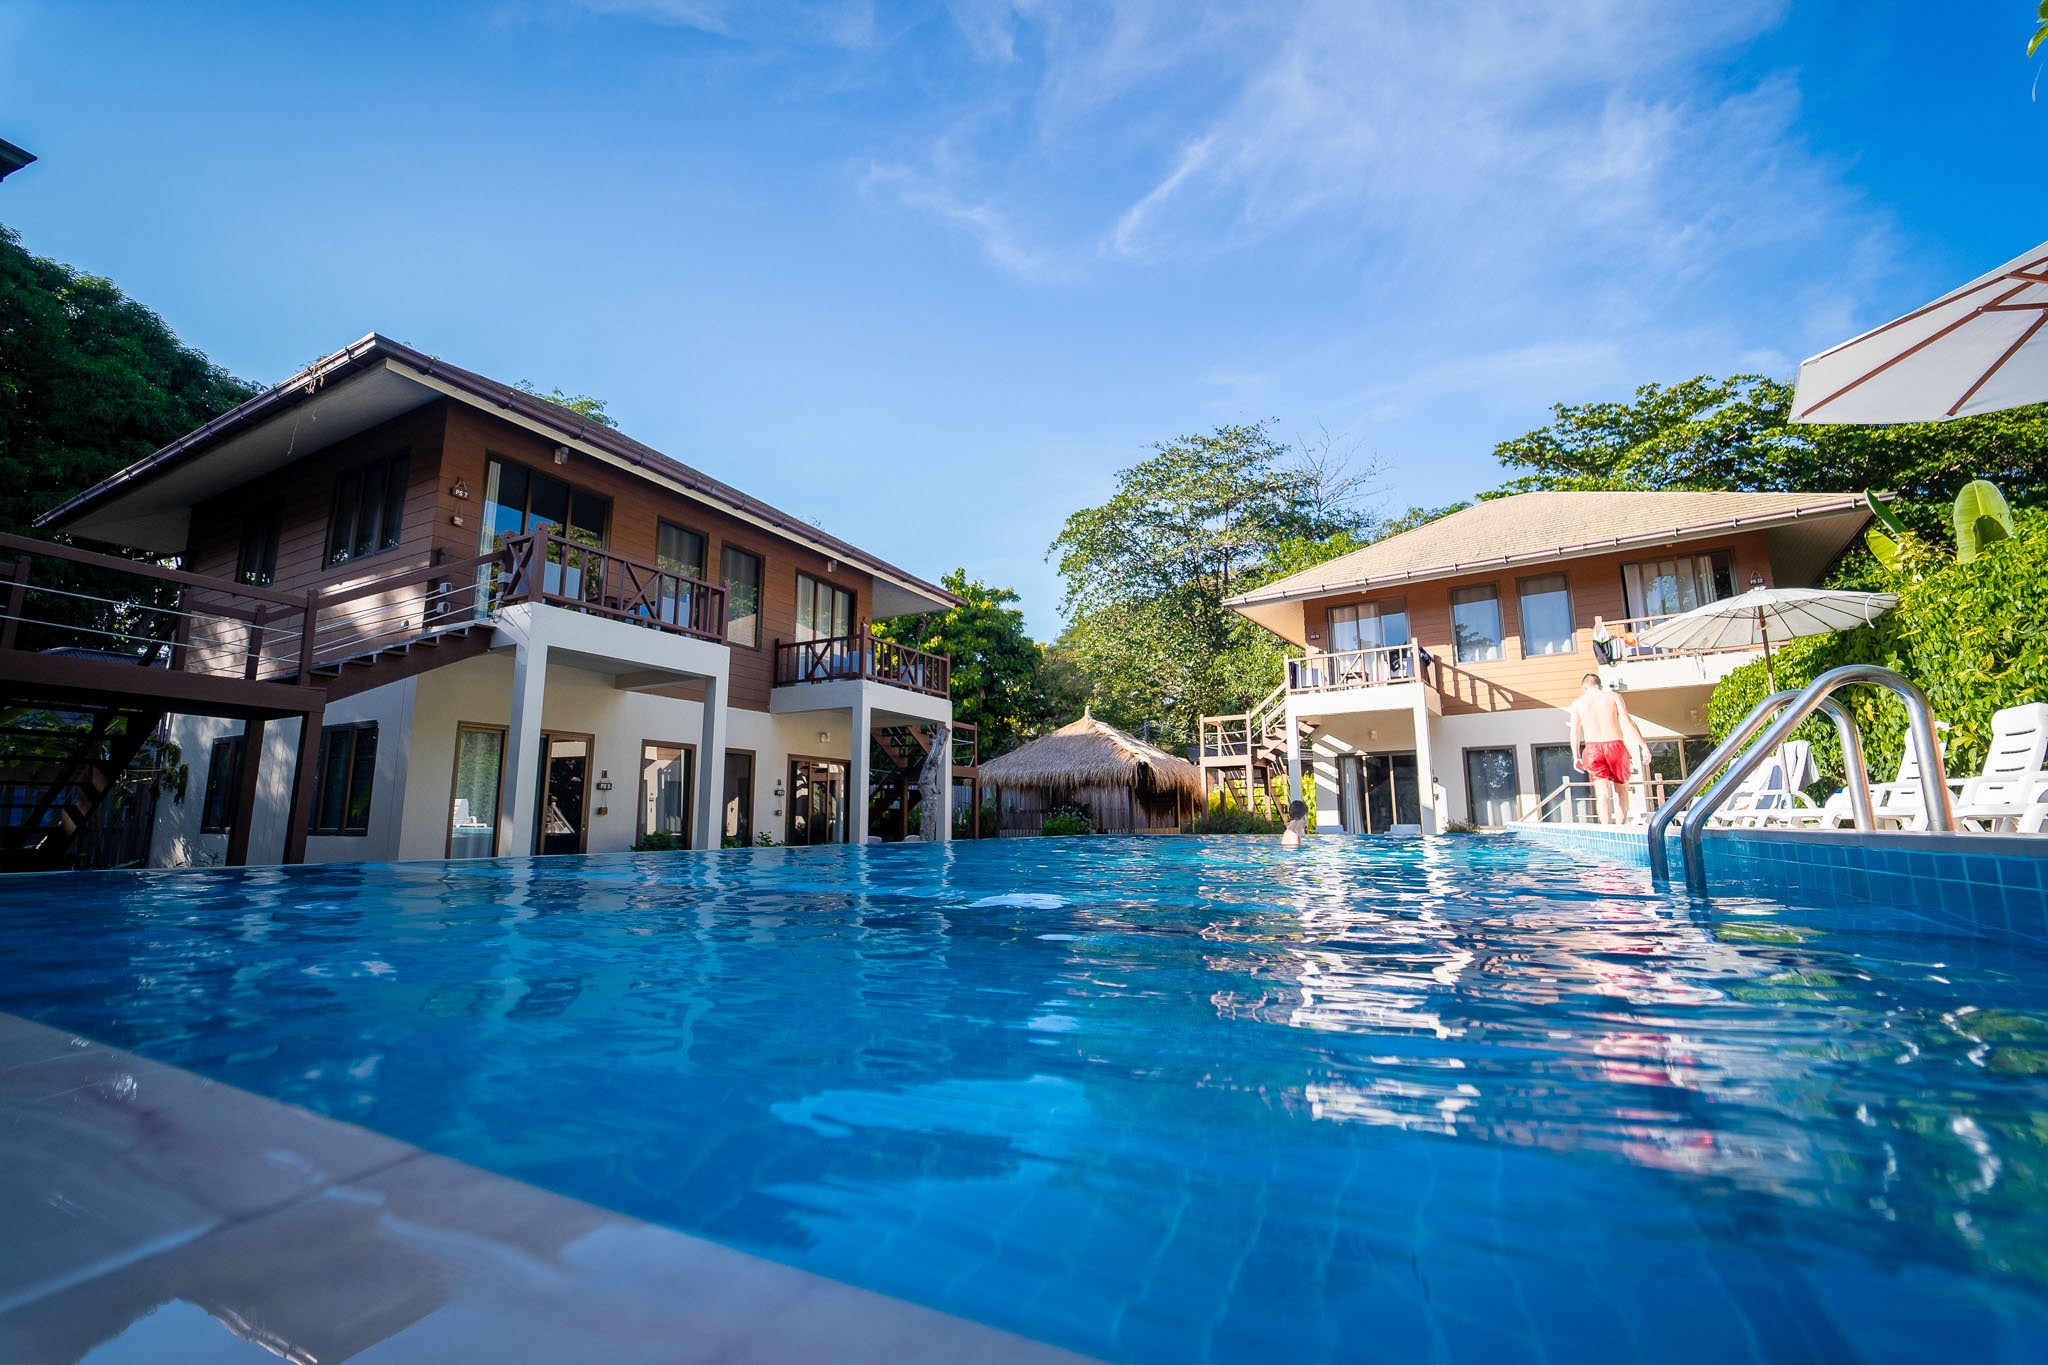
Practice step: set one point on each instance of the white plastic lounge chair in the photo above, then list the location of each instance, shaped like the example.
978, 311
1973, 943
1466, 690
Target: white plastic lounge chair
2015, 772
1772, 791
2034, 820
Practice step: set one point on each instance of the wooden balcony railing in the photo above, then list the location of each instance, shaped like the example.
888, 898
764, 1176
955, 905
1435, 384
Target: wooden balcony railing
1345, 669
543, 567
865, 657
61, 600
1626, 640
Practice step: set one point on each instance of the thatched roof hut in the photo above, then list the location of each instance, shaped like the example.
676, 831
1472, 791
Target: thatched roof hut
1125, 784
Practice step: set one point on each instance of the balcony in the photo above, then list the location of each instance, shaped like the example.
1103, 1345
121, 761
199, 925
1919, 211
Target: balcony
1382, 678
862, 658
1641, 668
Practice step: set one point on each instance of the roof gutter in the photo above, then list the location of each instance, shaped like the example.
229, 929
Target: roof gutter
1262, 597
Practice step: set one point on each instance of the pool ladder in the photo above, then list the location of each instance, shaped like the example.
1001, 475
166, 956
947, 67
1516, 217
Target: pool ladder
1791, 708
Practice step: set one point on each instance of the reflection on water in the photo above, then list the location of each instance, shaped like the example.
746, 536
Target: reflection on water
1451, 1099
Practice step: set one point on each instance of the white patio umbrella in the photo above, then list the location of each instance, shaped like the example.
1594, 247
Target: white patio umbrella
1981, 348
1763, 615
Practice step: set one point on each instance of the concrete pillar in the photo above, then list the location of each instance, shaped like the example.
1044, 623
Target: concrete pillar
1425, 773
710, 824
519, 808
938, 823
1294, 791
857, 769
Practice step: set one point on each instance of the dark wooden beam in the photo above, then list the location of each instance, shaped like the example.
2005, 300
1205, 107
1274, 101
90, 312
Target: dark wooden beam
45, 678
304, 780
245, 794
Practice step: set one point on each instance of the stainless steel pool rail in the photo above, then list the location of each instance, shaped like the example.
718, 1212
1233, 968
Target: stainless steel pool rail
1790, 709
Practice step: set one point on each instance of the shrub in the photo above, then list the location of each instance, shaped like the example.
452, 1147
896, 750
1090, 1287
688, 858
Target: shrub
1066, 820
1971, 635
1229, 818
990, 817
658, 841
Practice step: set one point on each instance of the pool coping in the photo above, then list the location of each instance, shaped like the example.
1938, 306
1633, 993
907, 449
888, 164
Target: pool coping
146, 1201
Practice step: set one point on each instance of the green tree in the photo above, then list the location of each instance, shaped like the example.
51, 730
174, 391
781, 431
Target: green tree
1735, 433
1147, 572
582, 404
1002, 681
90, 382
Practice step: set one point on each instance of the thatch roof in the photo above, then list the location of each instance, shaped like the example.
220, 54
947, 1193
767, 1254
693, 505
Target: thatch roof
1091, 754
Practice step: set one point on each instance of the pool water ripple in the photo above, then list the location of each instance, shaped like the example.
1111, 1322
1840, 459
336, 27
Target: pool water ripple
1170, 1100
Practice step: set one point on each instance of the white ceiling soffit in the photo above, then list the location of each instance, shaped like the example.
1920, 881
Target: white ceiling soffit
157, 514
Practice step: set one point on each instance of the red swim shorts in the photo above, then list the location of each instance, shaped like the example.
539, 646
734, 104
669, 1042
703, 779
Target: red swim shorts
1608, 759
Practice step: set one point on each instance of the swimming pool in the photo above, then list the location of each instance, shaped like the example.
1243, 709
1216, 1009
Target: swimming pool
1170, 1100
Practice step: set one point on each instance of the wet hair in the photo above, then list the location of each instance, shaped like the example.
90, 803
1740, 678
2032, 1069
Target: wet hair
1297, 810
1593, 678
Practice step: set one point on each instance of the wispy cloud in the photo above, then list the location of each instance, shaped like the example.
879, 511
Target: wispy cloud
834, 23
982, 220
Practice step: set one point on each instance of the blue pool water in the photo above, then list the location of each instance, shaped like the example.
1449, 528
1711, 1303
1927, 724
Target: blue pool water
1170, 1100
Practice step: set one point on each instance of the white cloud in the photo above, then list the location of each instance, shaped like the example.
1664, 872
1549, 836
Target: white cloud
832, 23
981, 220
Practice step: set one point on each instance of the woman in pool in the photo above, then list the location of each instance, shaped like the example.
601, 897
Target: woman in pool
1297, 825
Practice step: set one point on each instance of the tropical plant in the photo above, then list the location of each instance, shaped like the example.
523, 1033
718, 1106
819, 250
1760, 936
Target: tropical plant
2041, 32
656, 841
1227, 817
1066, 821
1981, 518
1979, 515
582, 404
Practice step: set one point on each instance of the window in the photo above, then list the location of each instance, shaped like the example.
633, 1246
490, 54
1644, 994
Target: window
369, 504
345, 772
257, 564
223, 775
739, 798
1546, 616
1664, 587
1553, 770
823, 611
479, 764
518, 500
679, 551
1475, 622
742, 575
1490, 783
1368, 625
665, 779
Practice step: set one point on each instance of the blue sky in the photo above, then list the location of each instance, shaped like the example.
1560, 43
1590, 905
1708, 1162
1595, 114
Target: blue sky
930, 273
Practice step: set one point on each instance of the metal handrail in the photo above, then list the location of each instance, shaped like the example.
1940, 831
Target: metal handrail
1749, 727
1791, 711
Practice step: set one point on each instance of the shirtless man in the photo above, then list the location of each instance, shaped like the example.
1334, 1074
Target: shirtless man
1604, 734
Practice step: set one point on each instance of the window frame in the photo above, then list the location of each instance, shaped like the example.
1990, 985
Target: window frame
804, 576
488, 533
703, 548
222, 779
262, 530
690, 779
747, 803
503, 733
1719, 561
329, 736
1571, 620
349, 496
1500, 642
760, 592
1514, 753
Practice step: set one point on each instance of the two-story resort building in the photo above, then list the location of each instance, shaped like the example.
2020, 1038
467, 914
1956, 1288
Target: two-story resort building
1441, 663
419, 613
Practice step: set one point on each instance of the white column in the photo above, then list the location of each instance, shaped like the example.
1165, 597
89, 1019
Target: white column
1294, 792
518, 808
942, 811
857, 768
1425, 771
710, 824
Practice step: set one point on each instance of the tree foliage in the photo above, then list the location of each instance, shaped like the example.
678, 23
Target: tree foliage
582, 404
1147, 573
1736, 433
1003, 681
90, 382
1971, 634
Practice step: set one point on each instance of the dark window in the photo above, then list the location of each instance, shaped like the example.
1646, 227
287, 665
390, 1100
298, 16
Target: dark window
823, 611
665, 783
679, 551
1491, 783
1665, 587
1546, 616
739, 798
347, 769
257, 564
742, 574
518, 500
223, 775
1475, 622
369, 504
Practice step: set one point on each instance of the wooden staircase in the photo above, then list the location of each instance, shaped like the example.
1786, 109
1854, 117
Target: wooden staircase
1242, 754
58, 767
407, 658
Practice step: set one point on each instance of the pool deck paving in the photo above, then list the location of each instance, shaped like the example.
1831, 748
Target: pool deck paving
158, 1216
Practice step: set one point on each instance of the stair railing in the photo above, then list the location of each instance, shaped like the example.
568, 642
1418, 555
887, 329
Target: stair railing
1790, 710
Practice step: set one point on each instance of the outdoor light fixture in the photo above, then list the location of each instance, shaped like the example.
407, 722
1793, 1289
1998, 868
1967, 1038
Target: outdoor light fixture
461, 490
561, 454
824, 736
831, 566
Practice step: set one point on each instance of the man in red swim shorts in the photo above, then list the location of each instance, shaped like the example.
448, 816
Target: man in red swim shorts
1604, 734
